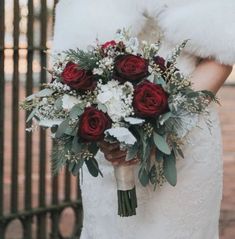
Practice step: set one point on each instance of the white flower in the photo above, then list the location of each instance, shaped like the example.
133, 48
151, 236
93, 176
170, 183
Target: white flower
123, 135
134, 121
98, 71
69, 101
117, 99
133, 44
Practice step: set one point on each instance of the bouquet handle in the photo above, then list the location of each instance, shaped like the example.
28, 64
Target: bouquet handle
127, 200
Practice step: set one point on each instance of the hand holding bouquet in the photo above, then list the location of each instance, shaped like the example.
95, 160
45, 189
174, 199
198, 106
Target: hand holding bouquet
122, 92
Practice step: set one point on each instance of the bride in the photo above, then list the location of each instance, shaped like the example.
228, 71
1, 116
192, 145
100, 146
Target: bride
191, 209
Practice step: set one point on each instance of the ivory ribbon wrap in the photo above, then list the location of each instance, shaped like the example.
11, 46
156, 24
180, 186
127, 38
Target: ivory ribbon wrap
125, 177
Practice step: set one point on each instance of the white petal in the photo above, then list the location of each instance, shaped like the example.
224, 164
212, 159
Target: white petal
69, 101
123, 135
50, 122
134, 121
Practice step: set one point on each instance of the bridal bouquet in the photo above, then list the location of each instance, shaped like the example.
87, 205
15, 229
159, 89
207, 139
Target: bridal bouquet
119, 91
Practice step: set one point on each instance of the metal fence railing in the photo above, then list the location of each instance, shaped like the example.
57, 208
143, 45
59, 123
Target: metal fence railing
28, 193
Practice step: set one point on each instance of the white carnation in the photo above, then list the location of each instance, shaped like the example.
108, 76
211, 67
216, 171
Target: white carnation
117, 99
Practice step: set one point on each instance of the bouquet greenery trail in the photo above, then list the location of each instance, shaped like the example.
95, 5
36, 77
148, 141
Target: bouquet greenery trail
119, 91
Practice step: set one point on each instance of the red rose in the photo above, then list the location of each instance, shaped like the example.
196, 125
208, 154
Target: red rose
130, 68
108, 44
160, 62
92, 124
150, 100
78, 79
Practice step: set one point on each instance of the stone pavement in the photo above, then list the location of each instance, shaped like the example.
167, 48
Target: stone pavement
227, 116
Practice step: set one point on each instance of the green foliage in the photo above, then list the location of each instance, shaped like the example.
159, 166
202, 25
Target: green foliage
93, 167
75, 166
161, 143
32, 114
86, 60
76, 111
65, 129
153, 175
143, 176
59, 151
102, 107
170, 169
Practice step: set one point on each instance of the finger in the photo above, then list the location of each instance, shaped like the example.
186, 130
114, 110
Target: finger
119, 161
105, 146
115, 154
132, 162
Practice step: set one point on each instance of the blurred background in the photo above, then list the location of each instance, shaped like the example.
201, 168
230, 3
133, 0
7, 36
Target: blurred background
32, 203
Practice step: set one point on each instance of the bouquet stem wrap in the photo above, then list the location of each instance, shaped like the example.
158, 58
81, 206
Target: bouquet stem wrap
127, 200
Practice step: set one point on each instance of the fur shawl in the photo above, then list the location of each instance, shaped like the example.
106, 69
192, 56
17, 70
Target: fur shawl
208, 24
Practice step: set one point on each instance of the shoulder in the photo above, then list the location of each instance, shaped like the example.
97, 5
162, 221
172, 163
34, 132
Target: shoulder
208, 24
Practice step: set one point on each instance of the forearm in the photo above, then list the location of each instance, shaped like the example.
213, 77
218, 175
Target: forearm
210, 75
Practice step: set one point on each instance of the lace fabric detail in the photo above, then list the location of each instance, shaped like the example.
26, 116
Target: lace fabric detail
189, 210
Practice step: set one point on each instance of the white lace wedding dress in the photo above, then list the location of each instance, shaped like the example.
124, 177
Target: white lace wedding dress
191, 209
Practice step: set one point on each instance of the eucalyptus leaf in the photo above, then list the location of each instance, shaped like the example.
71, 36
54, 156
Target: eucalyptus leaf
76, 111
76, 146
161, 143
62, 128
43, 93
102, 107
75, 169
158, 155
77, 166
33, 112
71, 166
163, 118
146, 150
169, 166
58, 104
143, 177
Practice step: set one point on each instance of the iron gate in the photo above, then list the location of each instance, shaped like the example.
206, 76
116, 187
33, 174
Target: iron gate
28, 193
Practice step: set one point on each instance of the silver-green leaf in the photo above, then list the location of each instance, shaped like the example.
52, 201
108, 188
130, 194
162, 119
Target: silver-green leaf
161, 143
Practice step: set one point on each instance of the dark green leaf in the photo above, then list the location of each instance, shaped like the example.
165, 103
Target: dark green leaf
170, 169
180, 152
93, 148
92, 166
76, 146
143, 177
159, 155
75, 170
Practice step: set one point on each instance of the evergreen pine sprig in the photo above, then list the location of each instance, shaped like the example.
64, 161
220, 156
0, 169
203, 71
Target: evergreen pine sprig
86, 60
58, 156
